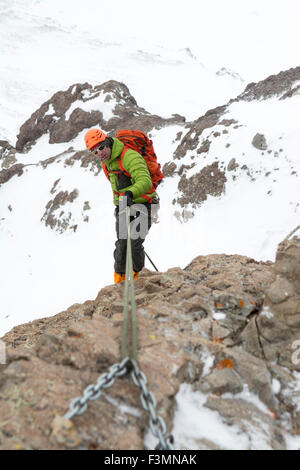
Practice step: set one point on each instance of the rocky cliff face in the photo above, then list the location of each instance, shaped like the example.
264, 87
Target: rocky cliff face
69, 112
226, 325
283, 85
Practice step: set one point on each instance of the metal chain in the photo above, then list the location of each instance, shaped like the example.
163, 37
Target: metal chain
79, 404
157, 424
92, 392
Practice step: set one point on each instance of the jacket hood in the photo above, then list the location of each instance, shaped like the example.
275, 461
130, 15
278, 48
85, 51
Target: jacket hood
116, 150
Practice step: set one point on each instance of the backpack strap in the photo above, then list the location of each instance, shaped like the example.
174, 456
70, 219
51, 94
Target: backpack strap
122, 170
120, 161
148, 199
106, 171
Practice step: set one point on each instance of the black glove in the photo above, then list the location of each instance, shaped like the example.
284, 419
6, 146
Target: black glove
129, 198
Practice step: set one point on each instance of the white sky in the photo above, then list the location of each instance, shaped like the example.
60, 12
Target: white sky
255, 37
48, 45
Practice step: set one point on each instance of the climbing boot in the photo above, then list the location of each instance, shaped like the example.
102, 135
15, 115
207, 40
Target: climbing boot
135, 275
118, 278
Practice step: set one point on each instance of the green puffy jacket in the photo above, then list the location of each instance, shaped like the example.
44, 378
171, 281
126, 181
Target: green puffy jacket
134, 164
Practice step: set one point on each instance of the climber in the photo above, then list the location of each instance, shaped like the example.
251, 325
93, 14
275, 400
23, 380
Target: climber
131, 184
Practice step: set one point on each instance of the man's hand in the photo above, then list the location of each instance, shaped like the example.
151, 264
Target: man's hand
129, 198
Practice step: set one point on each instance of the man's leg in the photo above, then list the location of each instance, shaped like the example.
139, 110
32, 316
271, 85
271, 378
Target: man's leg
137, 248
120, 249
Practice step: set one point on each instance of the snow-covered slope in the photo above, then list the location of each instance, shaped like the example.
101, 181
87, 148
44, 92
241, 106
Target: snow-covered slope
260, 202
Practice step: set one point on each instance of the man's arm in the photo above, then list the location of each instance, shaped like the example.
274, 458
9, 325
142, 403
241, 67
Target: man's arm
136, 166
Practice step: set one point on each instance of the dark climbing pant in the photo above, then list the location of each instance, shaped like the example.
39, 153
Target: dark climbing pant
137, 249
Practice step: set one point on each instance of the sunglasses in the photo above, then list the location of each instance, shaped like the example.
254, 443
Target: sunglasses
100, 147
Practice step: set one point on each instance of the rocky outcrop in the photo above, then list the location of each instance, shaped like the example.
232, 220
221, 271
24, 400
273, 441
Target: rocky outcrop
169, 169
82, 106
279, 320
6, 175
191, 140
7, 156
205, 325
284, 85
223, 71
209, 181
45, 118
60, 220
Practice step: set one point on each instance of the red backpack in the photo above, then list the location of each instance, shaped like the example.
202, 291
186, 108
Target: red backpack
138, 141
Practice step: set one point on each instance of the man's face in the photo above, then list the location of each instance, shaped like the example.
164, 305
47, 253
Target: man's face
103, 153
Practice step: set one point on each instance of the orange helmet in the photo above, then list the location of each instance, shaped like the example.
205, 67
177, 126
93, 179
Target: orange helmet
93, 137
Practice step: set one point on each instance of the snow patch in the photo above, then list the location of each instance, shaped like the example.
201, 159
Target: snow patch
266, 312
194, 422
50, 111
219, 316
98, 103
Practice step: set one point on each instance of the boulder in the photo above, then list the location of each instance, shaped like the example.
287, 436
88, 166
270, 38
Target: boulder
259, 142
279, 320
